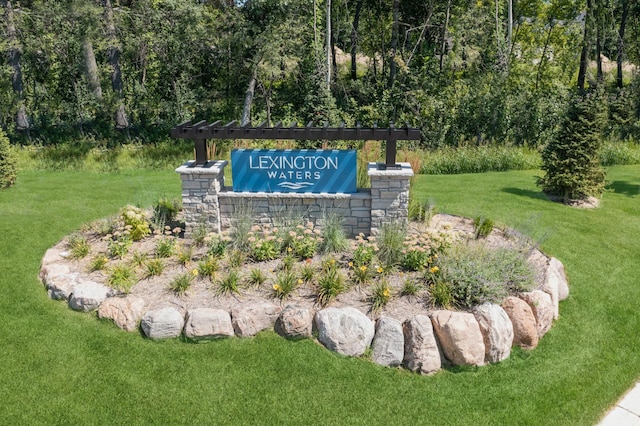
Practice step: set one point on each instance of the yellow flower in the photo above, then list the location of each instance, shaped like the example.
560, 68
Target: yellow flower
350, 264
289, 249
299, 281
379, 269
277, 287
434, 269
386, 292
194, 272
363, 268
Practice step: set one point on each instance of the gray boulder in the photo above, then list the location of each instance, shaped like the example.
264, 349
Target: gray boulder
497, 331
459, 336
421, 353
388, 343
250, 320
162, 323
125, 312
88, 295
59, 281
346, 330
206, 323
295, 322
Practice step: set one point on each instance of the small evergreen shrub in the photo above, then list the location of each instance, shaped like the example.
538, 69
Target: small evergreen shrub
7, 163
570, 161
482, 226
165, 211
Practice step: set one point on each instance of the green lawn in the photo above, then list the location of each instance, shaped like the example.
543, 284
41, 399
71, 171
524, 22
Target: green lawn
59, 366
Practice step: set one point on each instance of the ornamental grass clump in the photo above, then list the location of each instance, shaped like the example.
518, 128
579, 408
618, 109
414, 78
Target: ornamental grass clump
98, 263
380, 296
285, 283
181, 283
229, 284
208, 266
122, 277
78, 246
333, 237
391, 243
331, 283
154, 267
256, 277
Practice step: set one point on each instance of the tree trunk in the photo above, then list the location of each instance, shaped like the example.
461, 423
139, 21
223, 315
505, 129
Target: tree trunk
394, 44
600, 75
113, 49
543, 57
13, 52
248, 97
354, 39
91, 68
584, 54
619, 56
444, 34
328, 44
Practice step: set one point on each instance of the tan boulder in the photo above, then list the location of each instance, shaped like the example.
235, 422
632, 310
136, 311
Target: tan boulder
542, 308
125, 312
497, 331
525, 332
421, 352
459, 336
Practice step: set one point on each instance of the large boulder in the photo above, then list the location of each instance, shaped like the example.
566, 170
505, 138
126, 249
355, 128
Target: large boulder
295, 322
125, 312
497, 331
207, 323
525, 332
459, 336
542, 308
250, 320
346, 330
421, 353
162, 323
555, 284
388, 343
88, 295
59, 281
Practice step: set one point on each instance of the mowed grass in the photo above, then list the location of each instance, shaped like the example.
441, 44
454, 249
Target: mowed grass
62, 367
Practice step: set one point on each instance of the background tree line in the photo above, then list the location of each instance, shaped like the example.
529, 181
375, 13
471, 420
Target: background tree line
464, 71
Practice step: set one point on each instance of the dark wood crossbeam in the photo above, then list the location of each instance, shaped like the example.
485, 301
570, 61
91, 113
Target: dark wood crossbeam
201, 131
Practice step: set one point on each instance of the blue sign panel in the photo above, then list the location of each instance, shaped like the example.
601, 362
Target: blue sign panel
303, 170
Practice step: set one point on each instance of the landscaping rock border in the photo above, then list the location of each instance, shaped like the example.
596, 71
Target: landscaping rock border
422, 343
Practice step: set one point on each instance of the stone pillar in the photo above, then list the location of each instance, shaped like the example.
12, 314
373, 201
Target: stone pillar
389, 195
200, 188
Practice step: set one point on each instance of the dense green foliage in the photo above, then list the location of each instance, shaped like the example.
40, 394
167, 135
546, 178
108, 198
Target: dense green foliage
55, 361
106, 71
570, 161
7, 162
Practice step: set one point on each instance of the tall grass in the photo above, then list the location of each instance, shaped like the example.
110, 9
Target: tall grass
479, 159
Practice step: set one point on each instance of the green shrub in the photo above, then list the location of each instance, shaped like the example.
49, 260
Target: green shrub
477, 274
165, 211
482, 226
118, 243
364, 250
217, 244
570, 161
135, 222
264, 243
7, 163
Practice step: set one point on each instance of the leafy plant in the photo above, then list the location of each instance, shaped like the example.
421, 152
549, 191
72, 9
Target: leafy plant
307, 272
181, 283
381, 294
118, 244
237, 258
441, 294
264, 243
184, 255
154, 267
362, 274
139, 258
165, 247
285, 283
257, 277
199, 234
410, 288
331, 283
364, 250
288, 261
208, 267
98, 263
78, 246
217, 244
303, 241
229, 283
135, 222
122, 278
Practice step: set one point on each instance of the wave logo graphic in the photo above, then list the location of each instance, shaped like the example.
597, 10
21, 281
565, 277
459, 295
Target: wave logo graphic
295, 185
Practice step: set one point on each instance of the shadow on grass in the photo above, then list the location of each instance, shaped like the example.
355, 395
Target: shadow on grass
539, 195
626, 188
